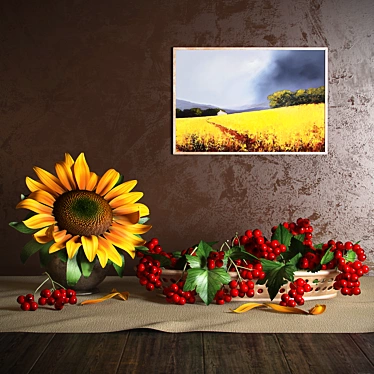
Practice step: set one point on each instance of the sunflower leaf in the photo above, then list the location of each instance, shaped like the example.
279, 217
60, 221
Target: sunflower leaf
44, 255
62, 255
120, 180
73, 272
143, 220
29, 249
21, 227
84, 265
120, 269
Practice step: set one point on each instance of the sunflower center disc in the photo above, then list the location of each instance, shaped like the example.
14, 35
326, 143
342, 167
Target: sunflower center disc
82, 213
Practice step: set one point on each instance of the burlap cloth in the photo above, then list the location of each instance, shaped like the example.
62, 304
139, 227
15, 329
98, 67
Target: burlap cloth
145, 309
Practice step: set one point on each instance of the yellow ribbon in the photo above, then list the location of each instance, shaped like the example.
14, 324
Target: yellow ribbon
121, 295
318, 309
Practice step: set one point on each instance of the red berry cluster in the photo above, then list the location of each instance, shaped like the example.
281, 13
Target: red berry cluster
155, 248
236, 289
27, 302
302, 226
247, 270
215, 260
149, 271
175, 294
58, 298
295, 294
348, 280
255, 243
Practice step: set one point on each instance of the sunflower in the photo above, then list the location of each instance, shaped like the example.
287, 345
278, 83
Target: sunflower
78, 209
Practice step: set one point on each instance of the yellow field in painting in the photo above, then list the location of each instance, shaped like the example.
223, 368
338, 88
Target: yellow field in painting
269, 130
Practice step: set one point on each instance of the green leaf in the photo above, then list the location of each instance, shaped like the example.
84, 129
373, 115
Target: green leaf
300, 237
206, 282
327, 257
236, 253
143, 220
294, 260
21, 227
296, 246
268, 265
62, 255
119, 181
277, 276
73, 273
44, 254
282, 235
120, 269
350, 256
85, 266
318, 246
195, 262
29, 249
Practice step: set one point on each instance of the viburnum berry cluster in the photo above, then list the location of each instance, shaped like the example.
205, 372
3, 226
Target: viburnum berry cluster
56, 296
251, 260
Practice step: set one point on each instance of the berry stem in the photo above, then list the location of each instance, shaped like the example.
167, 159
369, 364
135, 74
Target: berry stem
40, 286
236, 269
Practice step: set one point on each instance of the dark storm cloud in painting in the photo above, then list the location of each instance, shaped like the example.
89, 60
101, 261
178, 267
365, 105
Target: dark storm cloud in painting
291, 70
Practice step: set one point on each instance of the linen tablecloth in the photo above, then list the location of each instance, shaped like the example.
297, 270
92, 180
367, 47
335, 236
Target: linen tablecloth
144, 309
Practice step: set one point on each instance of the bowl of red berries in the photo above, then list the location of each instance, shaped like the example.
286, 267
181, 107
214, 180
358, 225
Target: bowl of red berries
287, 268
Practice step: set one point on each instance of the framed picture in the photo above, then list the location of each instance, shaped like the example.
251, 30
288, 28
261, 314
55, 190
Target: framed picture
249, 101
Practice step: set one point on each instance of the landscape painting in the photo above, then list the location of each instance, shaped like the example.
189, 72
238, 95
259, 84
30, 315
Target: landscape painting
250, 101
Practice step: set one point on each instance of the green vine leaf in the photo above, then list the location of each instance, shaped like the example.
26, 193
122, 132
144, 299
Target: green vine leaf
236, 253
277, 274
143, 220
296, 247
282, 235
350, 256
206, 282
300, 237
327, 257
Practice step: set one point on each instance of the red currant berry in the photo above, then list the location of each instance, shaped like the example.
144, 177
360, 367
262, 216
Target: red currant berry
21, 299
29, 297
291, 303
59, 305
42, 300
72, 300
234, 292
25, 306
33, 305
46, 293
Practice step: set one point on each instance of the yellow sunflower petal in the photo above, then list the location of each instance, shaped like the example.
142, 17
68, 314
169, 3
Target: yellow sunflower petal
131, 228
81, 172
103, 256
107, 182
44, 235
69, 161
111, 252
122, 231
128, 209
35, 206
90, 244
73, 245
49, 180
39, 221
92, 182
121, 242
43, 197
65, 175
56, 247
61, 235
34, 186
129, 218
121, 189
126, 199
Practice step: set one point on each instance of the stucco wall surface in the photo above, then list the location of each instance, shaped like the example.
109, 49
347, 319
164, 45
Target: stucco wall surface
96, 77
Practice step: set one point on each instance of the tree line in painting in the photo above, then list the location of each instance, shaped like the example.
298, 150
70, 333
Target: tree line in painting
288, 98
196, 112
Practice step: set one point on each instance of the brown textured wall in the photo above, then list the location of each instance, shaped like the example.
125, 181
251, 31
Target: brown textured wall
96, 77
